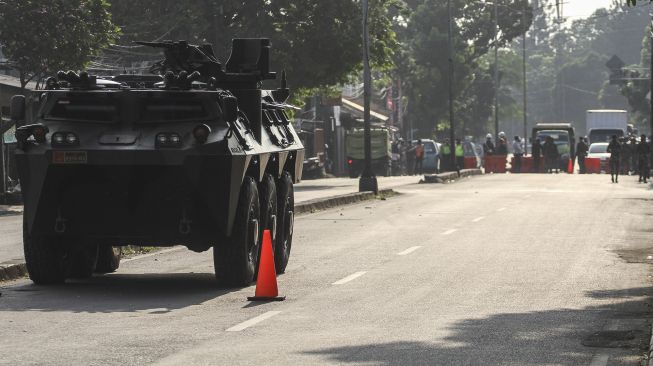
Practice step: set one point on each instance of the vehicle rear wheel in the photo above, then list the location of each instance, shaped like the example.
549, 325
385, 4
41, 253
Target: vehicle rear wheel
235, 257
108, 259
285, 219
45, 258
82, 261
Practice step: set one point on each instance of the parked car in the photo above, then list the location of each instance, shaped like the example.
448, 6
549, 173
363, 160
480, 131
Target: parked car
599, 150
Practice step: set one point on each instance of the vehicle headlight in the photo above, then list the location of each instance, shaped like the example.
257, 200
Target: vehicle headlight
71, 139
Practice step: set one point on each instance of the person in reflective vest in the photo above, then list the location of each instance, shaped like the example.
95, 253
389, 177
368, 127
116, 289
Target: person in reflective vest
460, 155
445, 157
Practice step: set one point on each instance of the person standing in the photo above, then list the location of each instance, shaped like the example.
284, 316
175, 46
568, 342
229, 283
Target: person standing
551, 155
419, 157
502, 147
614, 148
488, 146
518, 153
643, 152
626, 154
410, 158
537, 154
460, 155
581, 153
445, 158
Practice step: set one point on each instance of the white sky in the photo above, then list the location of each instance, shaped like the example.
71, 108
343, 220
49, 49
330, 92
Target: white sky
575, 9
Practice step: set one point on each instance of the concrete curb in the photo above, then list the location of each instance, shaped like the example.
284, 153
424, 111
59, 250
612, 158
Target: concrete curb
12, 270
335, 201
6, 210
450, 176
15, 269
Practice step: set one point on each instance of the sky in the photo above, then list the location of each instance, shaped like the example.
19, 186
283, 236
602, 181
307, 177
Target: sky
575, 9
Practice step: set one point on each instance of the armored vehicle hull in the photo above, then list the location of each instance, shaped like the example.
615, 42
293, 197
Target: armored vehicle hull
205, 163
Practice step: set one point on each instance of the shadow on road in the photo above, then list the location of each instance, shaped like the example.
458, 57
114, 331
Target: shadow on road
555, 337
149, 293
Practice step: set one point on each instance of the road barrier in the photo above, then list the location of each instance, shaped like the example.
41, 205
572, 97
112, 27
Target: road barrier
495, 163
593, 166
470, 162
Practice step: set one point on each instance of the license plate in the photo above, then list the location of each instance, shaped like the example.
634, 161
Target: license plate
69, 157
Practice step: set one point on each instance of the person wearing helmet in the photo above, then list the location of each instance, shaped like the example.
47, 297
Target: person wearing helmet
502, 145
488, 146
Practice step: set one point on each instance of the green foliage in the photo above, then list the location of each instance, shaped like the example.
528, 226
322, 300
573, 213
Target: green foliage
317, 42
423, 65
41, 37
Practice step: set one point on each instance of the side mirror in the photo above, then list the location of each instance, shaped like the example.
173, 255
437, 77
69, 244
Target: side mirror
17, 109
229, 108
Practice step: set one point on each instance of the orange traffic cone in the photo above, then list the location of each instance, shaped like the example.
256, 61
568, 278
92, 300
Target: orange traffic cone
266, 282
570, 167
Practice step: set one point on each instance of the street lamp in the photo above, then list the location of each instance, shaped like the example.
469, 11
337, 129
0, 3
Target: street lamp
452, 131
367, 182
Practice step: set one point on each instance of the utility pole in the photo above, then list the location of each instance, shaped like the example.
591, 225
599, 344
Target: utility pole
651, 92
524, 78
452, 134
367, 181
496, 71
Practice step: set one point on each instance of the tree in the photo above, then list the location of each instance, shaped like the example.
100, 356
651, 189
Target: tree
317, 42
425, 69
41, 37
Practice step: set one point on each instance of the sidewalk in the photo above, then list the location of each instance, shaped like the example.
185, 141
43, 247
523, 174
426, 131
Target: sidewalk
310, 195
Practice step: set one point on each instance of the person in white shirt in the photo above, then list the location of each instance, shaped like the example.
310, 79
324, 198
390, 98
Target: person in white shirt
518, 152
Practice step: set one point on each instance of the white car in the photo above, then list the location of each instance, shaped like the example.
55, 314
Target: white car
600, 150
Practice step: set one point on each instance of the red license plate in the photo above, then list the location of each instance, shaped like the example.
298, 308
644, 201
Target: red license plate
69, 157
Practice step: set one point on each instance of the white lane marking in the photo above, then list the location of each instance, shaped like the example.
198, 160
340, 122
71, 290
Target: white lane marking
409, 250
478, 219
450, 231
349, 278
151, 254
501, 209
248, 323
599, 360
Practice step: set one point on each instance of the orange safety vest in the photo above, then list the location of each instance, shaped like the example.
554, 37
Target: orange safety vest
419, 151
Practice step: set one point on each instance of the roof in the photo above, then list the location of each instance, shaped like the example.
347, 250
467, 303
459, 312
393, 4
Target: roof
358, 107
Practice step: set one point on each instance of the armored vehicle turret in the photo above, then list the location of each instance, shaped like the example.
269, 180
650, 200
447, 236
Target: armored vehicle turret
196, 154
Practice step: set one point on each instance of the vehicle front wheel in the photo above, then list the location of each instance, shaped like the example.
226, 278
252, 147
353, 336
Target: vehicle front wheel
235, 257
45, 258
285, 219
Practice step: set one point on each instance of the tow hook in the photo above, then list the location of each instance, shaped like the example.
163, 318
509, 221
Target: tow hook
184, 223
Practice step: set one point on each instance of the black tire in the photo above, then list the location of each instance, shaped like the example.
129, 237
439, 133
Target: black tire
267, 191
108, 259
285, 222
45, 258
82, 261
235, 257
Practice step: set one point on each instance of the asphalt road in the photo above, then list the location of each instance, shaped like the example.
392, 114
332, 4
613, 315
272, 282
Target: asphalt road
495, 270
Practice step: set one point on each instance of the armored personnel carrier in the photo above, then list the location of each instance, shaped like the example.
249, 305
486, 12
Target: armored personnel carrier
196, 155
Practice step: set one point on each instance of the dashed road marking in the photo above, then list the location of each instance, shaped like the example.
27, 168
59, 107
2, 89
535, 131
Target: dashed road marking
450, 231
599, 360
409, 250
248, 323
478, 219
501, 209
349, 278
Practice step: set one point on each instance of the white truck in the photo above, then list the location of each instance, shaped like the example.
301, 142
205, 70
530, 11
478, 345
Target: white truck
603, 123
